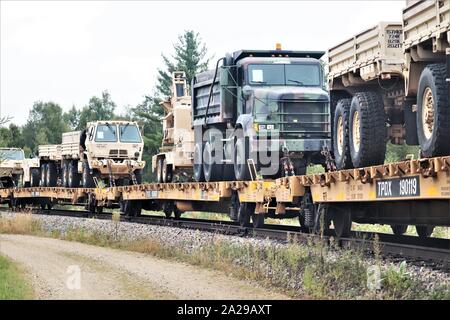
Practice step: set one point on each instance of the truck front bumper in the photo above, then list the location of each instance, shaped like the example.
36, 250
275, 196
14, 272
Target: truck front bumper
117, 168
291, 145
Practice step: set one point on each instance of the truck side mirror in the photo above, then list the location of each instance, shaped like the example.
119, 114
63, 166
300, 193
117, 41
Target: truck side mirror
247, 92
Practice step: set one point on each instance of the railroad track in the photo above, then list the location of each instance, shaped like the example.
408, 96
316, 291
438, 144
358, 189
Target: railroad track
431, 251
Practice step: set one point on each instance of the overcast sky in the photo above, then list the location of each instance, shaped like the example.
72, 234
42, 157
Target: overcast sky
68, 51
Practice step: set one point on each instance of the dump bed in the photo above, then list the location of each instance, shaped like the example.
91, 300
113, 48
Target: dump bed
220, 109
50, 152
424, 20
373, 52
70, 147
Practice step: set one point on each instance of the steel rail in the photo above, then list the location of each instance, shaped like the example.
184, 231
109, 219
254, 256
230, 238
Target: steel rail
431, 250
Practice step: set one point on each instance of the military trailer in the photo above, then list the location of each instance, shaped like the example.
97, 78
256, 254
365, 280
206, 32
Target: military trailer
175, 159
388, 83
108, 151
17, 171
260, 113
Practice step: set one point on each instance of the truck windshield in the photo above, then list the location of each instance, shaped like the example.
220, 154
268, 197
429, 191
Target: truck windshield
286, 74
106, 133
129, 133
11, 155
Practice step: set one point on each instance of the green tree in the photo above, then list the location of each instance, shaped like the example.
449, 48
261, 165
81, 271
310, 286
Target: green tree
97, 109
189, 56
148, 114
45, 125
72, 118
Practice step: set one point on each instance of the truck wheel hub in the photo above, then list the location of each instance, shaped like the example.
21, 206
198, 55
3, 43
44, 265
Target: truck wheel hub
340, 135
356, 132
428, 113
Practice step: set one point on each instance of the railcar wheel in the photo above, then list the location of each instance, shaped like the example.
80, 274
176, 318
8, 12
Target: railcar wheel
342, 221
177, 212
433, 111
168, 208
367, 130
131, 208
246, 210
399, 229
424, 231
258, 220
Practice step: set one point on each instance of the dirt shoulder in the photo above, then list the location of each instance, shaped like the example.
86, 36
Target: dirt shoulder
53, 267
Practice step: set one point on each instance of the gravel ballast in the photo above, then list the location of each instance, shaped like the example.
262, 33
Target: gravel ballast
190, 240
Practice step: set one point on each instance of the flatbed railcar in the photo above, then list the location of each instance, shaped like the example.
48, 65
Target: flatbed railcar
412, 192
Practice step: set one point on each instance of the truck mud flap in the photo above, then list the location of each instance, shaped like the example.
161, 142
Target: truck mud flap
410, 124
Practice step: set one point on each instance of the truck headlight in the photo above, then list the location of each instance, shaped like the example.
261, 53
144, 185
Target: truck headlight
270, 126
136, 154
262, 127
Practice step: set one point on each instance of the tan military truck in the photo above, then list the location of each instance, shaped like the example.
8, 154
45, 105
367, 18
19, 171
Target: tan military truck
108, 151
175, 157
17, 171
389, 83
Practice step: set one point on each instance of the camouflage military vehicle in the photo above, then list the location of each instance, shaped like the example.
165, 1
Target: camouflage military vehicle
175, 158
109, 151
391, 83
260, 112
17, 171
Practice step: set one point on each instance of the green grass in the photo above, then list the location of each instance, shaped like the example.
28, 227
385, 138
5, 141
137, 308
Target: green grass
12, 283
299, 270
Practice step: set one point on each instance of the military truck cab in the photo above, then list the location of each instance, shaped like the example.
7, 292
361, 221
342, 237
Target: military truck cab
112, 149
108, 151
16, 171
269, 108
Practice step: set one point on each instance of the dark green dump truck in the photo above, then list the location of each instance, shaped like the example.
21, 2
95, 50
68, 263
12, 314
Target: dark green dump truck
260, 112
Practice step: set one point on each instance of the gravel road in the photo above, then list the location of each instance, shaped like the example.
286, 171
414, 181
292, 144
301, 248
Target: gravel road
52, 267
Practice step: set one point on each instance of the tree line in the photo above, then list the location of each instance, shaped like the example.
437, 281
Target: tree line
47, 120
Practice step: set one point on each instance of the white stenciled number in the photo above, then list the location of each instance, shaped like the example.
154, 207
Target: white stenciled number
408, 187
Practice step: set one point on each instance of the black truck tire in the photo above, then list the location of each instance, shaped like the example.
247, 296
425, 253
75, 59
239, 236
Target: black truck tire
35, 177
52, 175
198, 163
159, 170
212, 171
138, 175
241, 154
43, 180
433, 111
65, 174
341, 141
73, 177
88, 177
167, 173
367, 137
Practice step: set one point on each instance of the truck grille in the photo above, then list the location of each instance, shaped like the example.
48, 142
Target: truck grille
304, 119
115, 153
